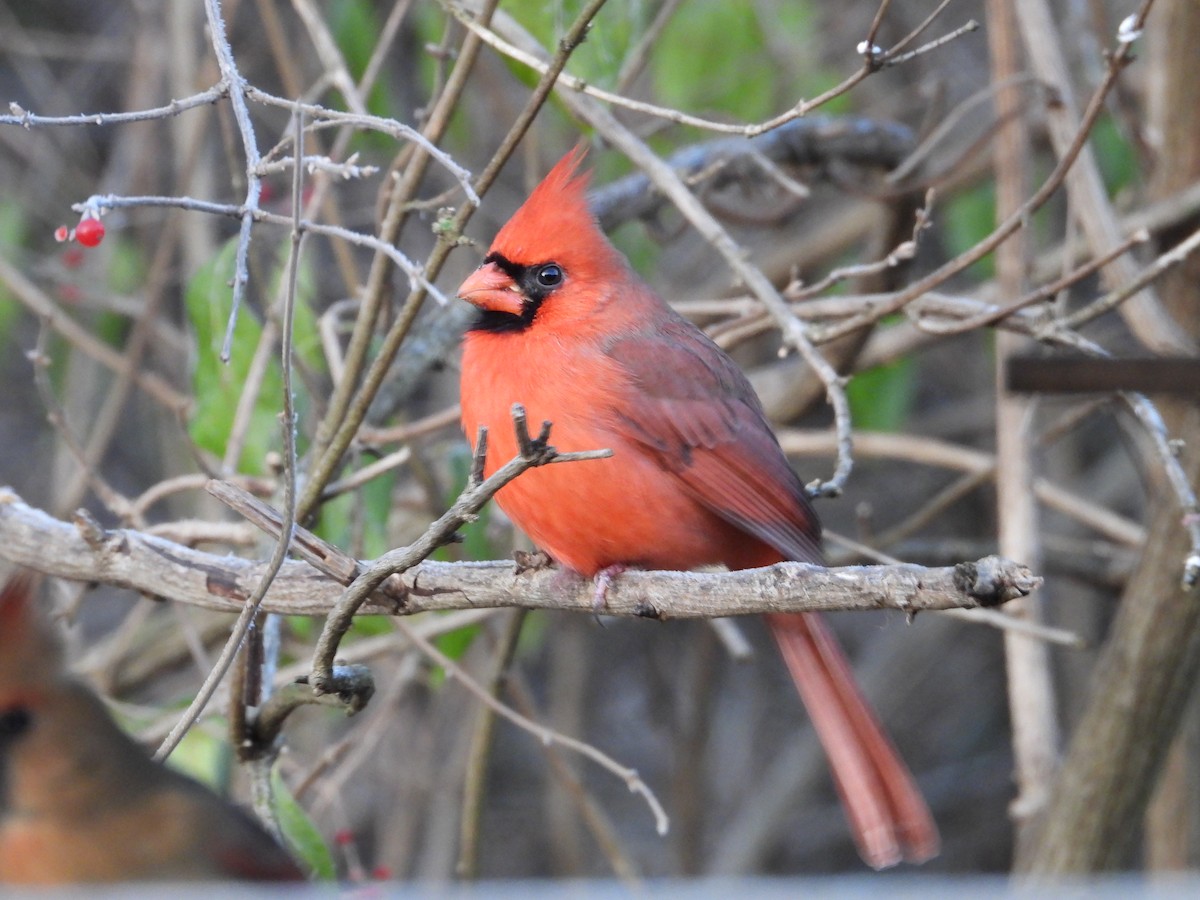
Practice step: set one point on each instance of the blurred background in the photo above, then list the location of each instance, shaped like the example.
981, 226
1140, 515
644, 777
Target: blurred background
132, 408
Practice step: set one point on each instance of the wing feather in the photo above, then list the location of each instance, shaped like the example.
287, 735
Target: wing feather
693, 409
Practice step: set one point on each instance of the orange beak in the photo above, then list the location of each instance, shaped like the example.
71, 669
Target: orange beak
490, 287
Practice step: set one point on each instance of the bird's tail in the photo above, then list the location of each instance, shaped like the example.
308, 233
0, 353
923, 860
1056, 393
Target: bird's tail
887, 813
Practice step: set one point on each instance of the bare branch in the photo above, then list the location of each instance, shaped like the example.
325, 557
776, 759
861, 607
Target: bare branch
412, 270
288, 421
161, 568
873, 62
241, 114
1017, 220
26, 119
533, 453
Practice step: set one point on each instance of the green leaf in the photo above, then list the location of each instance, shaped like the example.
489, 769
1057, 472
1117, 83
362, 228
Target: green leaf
306, 336
370, 626
299, 832
1115, 155
203, 757
12, 225
734, 58
334, 524
476, 543
881, 398
12, 238
598, 59
709, 60
303, 628
126, 268
375, 506
111, 328
372, 503
968, 218
454, 644
218, 386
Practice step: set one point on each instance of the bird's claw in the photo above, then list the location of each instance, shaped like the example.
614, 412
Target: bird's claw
604, 578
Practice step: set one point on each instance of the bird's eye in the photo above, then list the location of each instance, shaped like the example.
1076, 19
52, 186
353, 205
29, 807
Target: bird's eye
550, 275
14, 721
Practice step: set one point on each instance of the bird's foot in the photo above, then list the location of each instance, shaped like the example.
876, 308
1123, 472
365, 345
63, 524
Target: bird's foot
603, 579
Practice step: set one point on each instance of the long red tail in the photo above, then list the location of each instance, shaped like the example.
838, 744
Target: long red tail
887, 813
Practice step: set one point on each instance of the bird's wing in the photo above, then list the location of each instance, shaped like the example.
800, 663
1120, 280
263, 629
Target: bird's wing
691, 407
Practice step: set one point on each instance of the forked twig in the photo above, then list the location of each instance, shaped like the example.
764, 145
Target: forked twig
534, 452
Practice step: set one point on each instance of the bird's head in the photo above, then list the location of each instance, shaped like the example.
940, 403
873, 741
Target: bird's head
549, 260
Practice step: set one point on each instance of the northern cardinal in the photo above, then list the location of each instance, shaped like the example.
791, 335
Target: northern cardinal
81, 802
696, 477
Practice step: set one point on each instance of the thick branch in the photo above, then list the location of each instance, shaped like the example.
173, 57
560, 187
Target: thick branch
142, 562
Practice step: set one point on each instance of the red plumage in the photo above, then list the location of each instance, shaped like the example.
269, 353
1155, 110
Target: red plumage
696, 477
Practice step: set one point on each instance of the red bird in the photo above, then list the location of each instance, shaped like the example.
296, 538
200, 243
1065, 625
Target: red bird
81, 802
696, 477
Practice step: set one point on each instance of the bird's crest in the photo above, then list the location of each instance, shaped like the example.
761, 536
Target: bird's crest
555, 222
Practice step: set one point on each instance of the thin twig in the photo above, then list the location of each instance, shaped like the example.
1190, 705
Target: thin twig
447, 417
1033, 711
1168, 455
871, 64
361, 476
903, 252
951, 125
279, 554
241, 114
318, 115
26, 119
877, 23
932, 452
1048, 291
535, 452
1116, 63
1148, 275
57, 417
966, 28
351, 397
1144, 314
475, 781
544, 734
602, 830
416, 276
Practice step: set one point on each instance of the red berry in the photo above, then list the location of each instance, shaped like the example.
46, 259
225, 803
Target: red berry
89, 232
343, 837
62, 233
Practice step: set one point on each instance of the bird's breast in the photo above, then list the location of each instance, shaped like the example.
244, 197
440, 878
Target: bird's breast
586, 514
